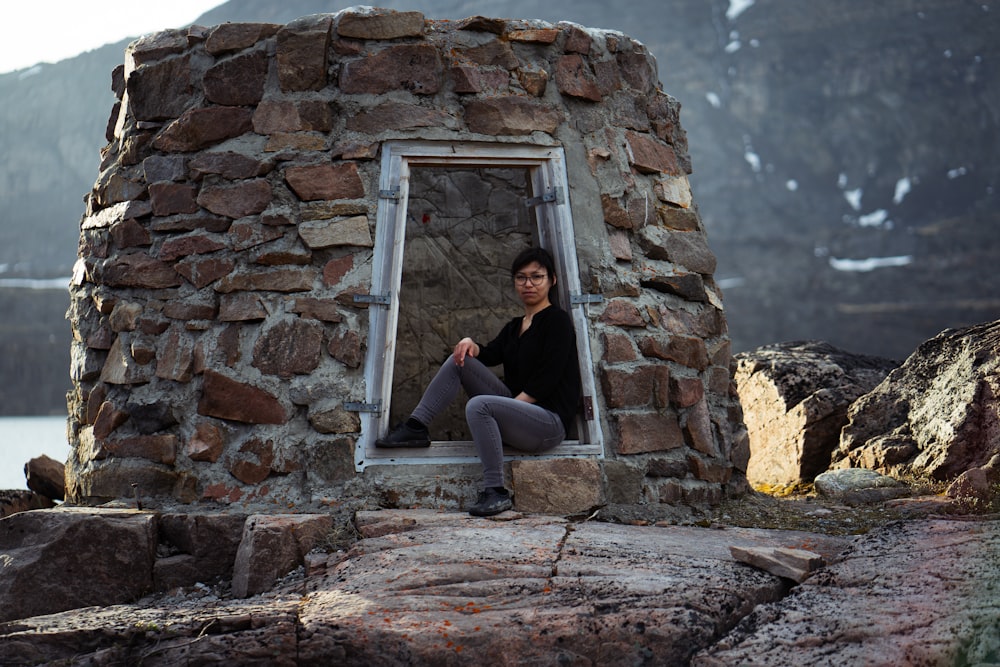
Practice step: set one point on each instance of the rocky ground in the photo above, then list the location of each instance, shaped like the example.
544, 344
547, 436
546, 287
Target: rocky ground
905, 582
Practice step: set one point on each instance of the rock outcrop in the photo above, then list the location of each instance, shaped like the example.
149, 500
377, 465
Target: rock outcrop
795, 398
431, 588
936, 417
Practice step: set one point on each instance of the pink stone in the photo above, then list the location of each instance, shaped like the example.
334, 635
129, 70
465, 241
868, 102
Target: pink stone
686, 391
346, 348
289, 348
201, 272
302, 53
138, 270
618, 348
336, 269
685, 350
175, 360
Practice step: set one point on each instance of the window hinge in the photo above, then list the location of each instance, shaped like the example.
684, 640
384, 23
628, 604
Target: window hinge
392, 194
547, 197
374, 299
363, 407
580, 299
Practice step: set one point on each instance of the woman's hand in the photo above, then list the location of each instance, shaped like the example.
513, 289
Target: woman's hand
465, 348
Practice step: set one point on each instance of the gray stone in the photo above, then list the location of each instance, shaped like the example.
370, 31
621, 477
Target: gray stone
66, 558
272, 546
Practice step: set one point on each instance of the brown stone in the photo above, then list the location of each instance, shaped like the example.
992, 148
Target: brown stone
175, 357
515, 116
274, 545
621, 313
253, 462
534, 81
109, 418
159, 45
608, 76
171, 198
241, 307
160, 168
189, 223
276, 116
686, 249
482, 24
685, 350
641, 387
156, 448
289, 348
281, 142
647, 432
650, 156
46, 476
638, 70
577, 41
250, 233
237, 201
686, 391
230, 399
301, 54
282, 279
201, 128
202, 272
229, 165
416, 68
318, 309
398, 116
618, 348
121, 368
675, 190
471, 79
575, 79
229, 37
621, 245
493, 54
689, 286
326, 181
624, 213
206, 444
335, 270
534, 35
161, 91
381, 24
130, 234
346, 348
124, 316
237, 81
697, 424
557, 486
184, 246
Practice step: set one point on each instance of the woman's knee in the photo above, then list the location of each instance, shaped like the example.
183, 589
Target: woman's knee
478, 406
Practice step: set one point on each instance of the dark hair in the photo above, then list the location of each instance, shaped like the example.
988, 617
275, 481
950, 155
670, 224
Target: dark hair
540, 255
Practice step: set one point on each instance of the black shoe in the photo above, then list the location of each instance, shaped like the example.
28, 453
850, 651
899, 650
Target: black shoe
405, 436
491, 501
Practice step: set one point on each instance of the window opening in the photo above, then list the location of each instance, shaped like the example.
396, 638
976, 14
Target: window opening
451, 216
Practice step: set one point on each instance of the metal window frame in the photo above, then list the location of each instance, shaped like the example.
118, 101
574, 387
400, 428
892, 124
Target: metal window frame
547, 175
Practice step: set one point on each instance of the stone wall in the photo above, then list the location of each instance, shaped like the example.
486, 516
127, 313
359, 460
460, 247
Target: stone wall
216, 337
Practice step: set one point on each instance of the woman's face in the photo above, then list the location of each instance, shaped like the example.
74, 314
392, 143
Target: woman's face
533, 283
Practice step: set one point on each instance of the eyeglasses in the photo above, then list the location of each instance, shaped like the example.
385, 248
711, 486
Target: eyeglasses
536, 279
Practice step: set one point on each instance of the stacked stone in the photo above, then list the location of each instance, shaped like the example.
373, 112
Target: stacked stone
216, 336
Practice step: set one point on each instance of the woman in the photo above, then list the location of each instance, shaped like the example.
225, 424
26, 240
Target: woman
532, 407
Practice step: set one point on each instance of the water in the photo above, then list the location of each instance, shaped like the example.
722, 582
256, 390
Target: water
24, 438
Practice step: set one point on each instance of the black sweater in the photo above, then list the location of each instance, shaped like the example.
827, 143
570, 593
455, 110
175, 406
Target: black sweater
542, 362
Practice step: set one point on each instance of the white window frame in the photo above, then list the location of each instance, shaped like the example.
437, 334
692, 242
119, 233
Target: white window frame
546, 168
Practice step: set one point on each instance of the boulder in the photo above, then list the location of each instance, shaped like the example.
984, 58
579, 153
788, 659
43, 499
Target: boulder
68, 558
935, 417
12, 502
274, 545
795, 398
858, 485
46, 476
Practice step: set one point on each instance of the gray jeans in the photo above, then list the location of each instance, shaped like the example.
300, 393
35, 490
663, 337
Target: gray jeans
494, 417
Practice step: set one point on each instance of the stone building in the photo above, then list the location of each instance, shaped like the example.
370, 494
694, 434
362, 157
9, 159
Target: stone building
293, 224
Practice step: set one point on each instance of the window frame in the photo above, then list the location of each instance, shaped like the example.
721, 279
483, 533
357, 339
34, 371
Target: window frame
548, 184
